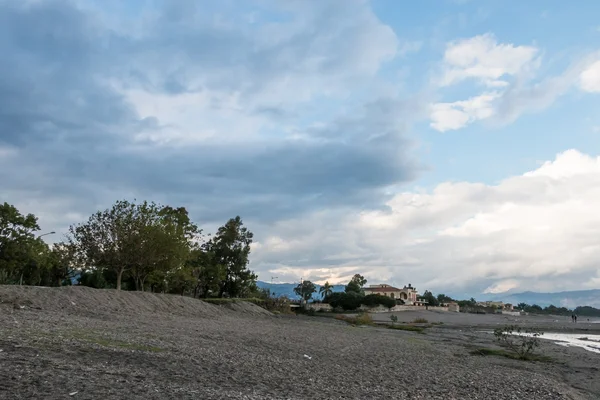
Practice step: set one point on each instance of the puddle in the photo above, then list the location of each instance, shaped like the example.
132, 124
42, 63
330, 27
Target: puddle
584, 340
588, 342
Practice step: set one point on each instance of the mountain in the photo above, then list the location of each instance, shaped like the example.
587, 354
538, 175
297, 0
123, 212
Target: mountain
287, 289
569, 299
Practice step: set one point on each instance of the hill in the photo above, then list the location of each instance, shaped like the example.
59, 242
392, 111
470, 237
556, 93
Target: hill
569, 299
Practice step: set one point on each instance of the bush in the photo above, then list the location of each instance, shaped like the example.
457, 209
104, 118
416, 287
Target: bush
373, 300
360, 319
347, 301
409, 328
420, 321
394, 319
522, 342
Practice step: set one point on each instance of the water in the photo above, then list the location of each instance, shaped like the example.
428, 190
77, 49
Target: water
584, 340
588, 342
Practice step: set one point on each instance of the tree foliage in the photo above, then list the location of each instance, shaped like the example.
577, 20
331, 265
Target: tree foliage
141, 246
305, 290
356, 284
326, 290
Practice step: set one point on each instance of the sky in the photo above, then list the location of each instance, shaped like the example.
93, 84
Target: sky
451, 144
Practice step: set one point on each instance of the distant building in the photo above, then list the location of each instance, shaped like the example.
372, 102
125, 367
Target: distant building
453, 307
408, 294
495, 304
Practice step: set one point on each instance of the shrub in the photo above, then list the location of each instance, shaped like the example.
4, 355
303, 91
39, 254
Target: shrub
360, 319
347, 301
410, 328
521, 342
420, 321
373, 300
394, 319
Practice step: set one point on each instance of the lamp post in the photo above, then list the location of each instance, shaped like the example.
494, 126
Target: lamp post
21, 278
49, 233
271, 287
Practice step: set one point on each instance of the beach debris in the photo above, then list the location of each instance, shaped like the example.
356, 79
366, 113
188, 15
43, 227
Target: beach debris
73, 393
307, 356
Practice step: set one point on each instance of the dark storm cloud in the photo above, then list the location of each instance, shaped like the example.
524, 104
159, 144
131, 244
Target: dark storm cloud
73, 131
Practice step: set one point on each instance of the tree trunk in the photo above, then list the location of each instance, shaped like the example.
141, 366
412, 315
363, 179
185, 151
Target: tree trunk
119, 276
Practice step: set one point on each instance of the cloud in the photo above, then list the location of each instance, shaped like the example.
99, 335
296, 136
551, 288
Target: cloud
488, 62
456, 115
225, 115
590, 78
528, 232
482, 58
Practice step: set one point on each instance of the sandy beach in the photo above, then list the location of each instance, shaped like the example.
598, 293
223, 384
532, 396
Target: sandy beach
81, 343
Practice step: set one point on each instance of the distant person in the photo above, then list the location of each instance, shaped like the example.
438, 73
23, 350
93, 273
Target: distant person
575, 317
572, 317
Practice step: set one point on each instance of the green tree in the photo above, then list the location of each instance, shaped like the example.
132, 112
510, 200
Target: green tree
230, 248
430, 298
442, 298
305, 290
356, 284
208, 273
17, 243
326, 290
145, 239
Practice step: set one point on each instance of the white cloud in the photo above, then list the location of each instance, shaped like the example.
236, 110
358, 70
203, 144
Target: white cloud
456, 115
589, 79
484, 59
537, 230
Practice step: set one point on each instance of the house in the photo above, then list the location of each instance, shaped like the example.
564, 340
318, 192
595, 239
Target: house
453, 307
491, 304
408, 294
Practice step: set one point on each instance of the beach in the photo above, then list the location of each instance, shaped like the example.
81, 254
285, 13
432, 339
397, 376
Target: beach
84, 343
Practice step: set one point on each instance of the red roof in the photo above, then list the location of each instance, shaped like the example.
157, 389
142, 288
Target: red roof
382, 289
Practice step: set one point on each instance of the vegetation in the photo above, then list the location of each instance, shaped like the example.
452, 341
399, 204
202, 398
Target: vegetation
356, 284
131, 246
409, 328
508, 354
305, 290
360, 319
521, 342
394, 319
326, 290
420, 321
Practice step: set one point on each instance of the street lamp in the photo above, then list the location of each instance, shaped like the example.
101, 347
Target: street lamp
271, 287
49, 233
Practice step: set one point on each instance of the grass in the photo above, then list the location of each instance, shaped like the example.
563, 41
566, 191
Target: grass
109, 342
360, 319
508, 354
409, 328
223, 301
420, 321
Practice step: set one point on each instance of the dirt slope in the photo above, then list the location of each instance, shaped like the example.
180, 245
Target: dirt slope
77, 299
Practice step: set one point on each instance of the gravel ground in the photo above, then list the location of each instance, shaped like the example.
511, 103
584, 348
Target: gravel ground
57, 350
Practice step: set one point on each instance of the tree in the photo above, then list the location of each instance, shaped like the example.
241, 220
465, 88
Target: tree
356, 284
522, 306
326, 290
442, 298
430, 298
305, 290
143, 238
230, 248
17, 240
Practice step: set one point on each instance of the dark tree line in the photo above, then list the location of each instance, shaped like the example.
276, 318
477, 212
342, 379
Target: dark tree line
131, 246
